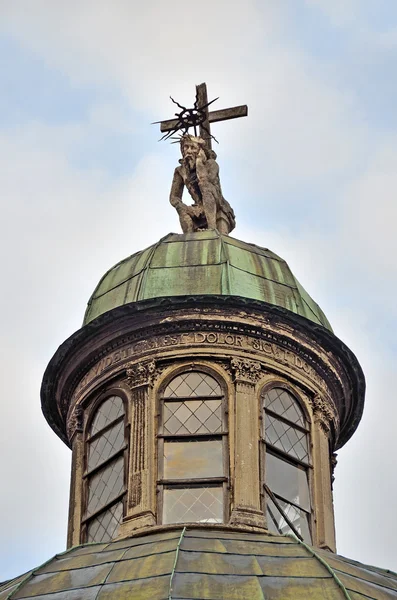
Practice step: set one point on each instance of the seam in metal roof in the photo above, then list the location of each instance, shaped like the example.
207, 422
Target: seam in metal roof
196, 563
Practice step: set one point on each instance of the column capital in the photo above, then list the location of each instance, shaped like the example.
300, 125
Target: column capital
245, 370
324, 413
141, 373
75, 422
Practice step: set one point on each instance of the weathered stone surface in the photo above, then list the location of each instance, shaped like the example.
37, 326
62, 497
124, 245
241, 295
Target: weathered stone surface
199, 174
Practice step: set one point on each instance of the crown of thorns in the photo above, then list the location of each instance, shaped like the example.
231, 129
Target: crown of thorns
187, 118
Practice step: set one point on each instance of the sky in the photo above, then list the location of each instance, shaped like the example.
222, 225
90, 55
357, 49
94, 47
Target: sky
311, 174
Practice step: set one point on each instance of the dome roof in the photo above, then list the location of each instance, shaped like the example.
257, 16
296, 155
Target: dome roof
201, 563
203, 263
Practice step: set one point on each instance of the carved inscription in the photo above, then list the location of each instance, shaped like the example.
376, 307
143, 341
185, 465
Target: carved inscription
201, 338
286, 357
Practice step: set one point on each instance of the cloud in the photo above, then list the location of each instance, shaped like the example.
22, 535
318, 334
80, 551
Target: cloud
340, 12
142, 49
310, 174
63, 227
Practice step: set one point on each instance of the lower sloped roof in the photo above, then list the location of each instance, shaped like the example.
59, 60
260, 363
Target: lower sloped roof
206, 563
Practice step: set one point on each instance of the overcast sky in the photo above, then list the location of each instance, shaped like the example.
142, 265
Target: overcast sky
311, 174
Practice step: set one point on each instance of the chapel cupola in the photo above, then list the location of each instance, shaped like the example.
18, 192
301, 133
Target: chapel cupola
205, 387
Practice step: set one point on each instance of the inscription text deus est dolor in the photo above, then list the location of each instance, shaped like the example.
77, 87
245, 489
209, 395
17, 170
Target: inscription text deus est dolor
232, 340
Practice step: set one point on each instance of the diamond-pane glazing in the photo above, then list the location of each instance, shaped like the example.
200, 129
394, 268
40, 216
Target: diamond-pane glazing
193, 459
108, 411
192, 384
277, 523
103, 528
193, 416
286, 438
193, 504
105, 485
107, 444
284, 404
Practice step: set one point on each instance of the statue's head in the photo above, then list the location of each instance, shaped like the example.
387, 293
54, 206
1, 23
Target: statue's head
190, 148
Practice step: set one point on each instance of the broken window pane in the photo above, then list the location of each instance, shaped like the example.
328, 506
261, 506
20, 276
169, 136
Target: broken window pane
193, 459
278, 524
287, 480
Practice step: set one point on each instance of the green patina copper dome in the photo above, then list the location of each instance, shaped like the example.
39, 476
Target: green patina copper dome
202, 564
203, 263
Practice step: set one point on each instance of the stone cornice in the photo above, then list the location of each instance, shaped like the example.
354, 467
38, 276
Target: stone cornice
132, 324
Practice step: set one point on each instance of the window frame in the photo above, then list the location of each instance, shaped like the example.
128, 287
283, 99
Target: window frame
267, 448
161, 482
124, 452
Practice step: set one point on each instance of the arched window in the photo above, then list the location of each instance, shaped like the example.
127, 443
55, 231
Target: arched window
104, 476
286, 464
192, 454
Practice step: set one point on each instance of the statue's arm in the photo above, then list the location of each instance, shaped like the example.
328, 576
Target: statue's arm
176, 189
213, 171
207, 169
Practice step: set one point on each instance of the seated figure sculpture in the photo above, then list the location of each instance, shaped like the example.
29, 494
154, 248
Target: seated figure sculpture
199, 172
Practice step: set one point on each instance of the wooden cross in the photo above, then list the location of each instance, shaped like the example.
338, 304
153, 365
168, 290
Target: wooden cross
211, 117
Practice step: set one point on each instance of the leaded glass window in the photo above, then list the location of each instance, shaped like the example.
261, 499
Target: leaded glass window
192, 450
287, 464
104, 476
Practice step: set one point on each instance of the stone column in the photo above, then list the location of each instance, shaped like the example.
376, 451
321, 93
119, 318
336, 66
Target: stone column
246, 505
324, 414
75, 435
141, 509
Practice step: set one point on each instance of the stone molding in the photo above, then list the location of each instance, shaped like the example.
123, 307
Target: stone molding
106, 347
245, 370
246, 516
141, 374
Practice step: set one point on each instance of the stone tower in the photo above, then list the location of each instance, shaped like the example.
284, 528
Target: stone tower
203, 400
203, 370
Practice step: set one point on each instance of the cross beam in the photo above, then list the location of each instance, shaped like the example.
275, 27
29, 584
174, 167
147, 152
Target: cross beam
211, 117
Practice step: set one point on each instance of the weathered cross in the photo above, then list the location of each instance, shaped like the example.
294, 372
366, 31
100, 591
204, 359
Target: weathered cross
210, 117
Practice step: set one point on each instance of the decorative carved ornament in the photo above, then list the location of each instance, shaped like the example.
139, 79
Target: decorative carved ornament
140, 374
75, 421
324, 413
245, 370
